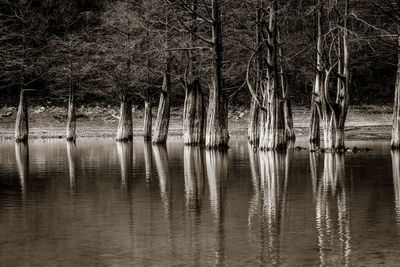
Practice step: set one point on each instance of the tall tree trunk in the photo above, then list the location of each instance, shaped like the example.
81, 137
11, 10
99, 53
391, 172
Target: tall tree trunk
287, 107
71, 119
125, 130
147, 120
396, 105
217, 135
194, 116
274, 137
163, 114
194, 109
253, 132
343, 87
315, 139
21, 124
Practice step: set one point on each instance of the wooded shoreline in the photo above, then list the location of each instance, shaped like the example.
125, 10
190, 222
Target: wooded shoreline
365, 123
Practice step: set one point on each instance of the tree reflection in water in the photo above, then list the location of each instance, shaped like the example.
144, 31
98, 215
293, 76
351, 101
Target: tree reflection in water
72, 157
148, 159
194, 174
217, 175
22, 159
332, 211
125, 156
269, 171
396, 184
162, 166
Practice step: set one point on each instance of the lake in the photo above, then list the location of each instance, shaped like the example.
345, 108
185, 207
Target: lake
105, 203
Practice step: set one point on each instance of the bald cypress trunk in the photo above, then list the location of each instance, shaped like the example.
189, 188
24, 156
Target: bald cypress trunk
147, 121
21, 123
315, 139
71, 118
125, 130
163, 114
217, 135
274, 136
253, 132
194, 116
396, 105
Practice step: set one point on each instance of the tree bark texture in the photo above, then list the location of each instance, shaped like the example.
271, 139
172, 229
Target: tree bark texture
163, 113
194, 116
274, 135
396, 105
125, 129
71, 117
217, 135
334, 112
147, 130
253, 131
21, 123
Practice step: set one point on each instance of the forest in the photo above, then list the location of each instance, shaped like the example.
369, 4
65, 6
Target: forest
204, 56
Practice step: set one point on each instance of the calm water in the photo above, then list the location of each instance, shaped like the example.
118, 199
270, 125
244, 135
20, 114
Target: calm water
102, 203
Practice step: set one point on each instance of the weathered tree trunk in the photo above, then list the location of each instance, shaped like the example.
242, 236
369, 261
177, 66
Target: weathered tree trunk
217, 135
194, 110
147, 121
315, 139
21, 124
253, 132
163, 114
396, 104
125, 129
274, 137
71, 118
194, 116
287, 108
343, 87
287, 114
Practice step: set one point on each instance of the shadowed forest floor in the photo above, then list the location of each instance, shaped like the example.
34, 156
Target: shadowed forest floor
368, 122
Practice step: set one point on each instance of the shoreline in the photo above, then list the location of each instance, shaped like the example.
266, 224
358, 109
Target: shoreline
363, 123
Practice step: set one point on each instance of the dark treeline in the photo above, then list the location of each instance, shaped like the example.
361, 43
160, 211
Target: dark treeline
202, 55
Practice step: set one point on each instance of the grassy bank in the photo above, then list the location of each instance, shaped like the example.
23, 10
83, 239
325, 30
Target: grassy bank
364, 123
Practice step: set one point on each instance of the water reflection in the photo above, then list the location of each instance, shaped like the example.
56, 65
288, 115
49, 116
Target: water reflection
194, 172
332, 213
72, 158
125, 156
162, 166
148, 159
22, 159
217, 174
396, 184
274, 170
194, 175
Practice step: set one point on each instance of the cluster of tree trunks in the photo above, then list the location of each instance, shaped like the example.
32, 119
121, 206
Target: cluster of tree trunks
271, 123
332, 72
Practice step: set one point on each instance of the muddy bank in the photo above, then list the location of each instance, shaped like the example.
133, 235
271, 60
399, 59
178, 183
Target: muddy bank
364, 123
